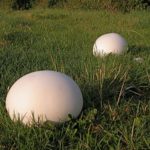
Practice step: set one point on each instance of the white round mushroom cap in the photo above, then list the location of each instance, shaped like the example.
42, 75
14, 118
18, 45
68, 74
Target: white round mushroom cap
110, 43
44, 95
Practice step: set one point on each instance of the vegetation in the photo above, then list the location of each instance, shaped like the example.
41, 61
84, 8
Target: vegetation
116, 89
22, 4
111, 5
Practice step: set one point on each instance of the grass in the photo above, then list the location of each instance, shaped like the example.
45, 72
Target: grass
116, 89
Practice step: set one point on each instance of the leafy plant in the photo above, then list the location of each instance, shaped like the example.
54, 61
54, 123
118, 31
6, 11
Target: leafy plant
22, 4
54, 2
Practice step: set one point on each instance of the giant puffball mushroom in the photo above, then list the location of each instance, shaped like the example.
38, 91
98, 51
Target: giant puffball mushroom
111, 43
44, 95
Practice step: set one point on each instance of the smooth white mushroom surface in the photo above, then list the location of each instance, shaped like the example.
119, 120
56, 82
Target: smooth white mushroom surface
44, 95
110, 43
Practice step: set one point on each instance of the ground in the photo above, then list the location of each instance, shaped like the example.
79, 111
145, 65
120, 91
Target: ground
116, 89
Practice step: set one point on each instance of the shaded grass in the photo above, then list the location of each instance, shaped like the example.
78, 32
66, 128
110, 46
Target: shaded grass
116, 89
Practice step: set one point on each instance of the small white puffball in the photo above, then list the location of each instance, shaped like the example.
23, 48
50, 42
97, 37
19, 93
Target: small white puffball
110, 43
44, 95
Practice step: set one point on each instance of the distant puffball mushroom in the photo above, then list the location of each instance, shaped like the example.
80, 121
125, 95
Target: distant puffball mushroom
111, 43
44, 95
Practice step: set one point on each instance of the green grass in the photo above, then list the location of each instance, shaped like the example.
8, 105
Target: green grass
116, 89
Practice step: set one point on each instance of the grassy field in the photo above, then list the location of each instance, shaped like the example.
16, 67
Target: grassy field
116, 89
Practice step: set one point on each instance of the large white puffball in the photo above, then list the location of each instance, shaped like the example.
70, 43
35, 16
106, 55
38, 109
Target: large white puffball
44, 95
110, 43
